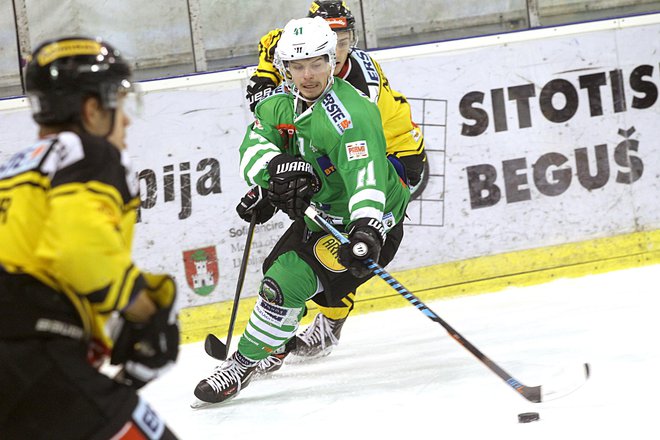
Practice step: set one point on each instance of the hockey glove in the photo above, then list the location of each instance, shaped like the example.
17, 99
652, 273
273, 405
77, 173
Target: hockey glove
292, 184
161, 289
255, 201
146, 349
258, 89
366, 237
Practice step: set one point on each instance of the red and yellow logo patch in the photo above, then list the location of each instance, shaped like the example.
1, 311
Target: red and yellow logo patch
337, 22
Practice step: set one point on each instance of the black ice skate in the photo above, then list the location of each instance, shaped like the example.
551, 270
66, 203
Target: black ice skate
227, 380
319, 338
274, 361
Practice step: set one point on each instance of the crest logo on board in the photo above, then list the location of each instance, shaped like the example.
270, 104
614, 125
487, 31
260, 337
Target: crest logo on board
201, 269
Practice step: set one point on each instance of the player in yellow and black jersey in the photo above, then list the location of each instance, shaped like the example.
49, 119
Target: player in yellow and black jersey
69, 292
405, 142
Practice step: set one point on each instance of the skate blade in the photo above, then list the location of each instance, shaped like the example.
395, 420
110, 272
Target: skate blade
320, 354
198, 404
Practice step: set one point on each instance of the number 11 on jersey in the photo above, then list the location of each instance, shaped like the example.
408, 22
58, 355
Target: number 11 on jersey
366, 176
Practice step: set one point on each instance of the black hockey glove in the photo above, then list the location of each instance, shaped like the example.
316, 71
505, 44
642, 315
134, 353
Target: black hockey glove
366, 237
255, 201
258, 89
292, 184
146, 349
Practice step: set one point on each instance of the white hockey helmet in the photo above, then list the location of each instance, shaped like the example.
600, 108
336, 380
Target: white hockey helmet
305, 38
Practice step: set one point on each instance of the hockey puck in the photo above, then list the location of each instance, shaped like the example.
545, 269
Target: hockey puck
528, 417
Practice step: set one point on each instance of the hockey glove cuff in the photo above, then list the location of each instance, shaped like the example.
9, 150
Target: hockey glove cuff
145, 349
366, 237
160, 288
292, 184
255, 201
258, 89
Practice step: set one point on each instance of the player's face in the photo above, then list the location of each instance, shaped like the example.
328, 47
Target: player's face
310, 76
100, 122
117, 136
344, 43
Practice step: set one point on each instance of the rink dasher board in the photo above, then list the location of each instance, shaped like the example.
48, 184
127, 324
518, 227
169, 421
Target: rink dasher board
537, 140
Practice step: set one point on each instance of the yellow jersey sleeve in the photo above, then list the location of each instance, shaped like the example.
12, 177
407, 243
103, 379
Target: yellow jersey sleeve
403, 136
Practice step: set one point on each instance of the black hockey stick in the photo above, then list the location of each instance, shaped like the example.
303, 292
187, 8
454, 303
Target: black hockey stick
533, 394
213, 346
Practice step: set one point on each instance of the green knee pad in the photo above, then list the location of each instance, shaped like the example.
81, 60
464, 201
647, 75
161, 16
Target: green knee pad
288, 283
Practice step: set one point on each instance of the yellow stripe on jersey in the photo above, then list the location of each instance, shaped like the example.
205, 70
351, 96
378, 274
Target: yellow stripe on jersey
96, 187
336, 313
33, 178
119, 293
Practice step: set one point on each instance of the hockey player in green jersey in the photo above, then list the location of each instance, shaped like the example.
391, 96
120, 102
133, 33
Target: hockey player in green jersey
404, 141
316, 139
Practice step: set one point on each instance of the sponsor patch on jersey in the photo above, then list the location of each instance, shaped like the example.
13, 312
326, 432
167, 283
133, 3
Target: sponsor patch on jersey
388, 221
257, 124
148, 421
357, 150
337, 112
326, 165
66, 151
415, 133
276, 315
287, 131
271, 292
367, 65
326, 249
25, 160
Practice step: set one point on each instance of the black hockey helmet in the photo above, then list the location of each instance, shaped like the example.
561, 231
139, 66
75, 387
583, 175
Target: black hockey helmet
335, 12
61, 73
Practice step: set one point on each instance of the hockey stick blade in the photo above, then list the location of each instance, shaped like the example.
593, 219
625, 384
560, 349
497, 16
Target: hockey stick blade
565, 383
215, 348
533, 394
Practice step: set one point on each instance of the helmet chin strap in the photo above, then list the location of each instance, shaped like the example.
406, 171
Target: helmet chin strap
113, 113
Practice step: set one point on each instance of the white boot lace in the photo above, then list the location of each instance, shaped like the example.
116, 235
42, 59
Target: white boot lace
320, 332
226, 374
268, 363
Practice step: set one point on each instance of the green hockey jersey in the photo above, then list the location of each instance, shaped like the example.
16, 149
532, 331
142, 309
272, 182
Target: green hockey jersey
341, 135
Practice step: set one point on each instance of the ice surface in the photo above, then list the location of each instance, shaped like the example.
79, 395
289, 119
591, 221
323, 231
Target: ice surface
396, 374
